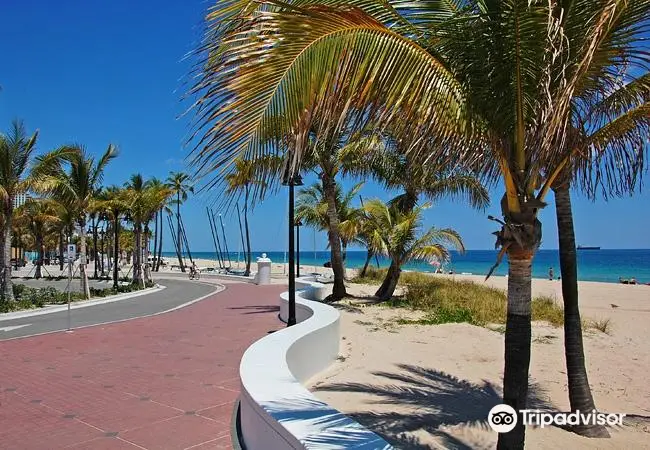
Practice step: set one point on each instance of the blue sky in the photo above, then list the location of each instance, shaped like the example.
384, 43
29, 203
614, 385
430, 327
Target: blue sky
112, 72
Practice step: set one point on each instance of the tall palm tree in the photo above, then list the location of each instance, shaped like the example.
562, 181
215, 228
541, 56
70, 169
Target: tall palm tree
16, 152
135, 192
75, 183
498, 71
116, 203
158, 185
313, 209
39, 217
384, 158
242, 178
623, 121
154, 201
394, 233
179, 183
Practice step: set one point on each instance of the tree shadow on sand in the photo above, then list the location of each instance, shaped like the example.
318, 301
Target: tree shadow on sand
435, 399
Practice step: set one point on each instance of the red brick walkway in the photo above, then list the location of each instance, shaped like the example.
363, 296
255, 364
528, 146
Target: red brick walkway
164, 382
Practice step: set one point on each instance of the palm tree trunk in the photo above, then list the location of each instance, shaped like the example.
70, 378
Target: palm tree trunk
329, 190
7, 288
95, 248
39, 258
116, 252
155, 242
145, 256
82, 266
580, 396
517, 344
137, 256
248, 237
392, 276
61, 250
160, 242
178, 231
365, 265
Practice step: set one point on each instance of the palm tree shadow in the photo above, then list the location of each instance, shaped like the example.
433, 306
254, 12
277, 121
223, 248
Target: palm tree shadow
434, 399
256, 309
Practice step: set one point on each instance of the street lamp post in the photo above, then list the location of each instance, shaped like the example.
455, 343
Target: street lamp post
292, 181
298, 225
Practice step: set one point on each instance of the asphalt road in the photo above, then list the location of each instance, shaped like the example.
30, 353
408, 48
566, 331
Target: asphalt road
178, 292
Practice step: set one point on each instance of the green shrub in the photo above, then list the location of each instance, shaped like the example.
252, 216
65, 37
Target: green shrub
18, 289
28, 298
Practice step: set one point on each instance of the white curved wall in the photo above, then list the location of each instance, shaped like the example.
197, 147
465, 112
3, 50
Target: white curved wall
276, 411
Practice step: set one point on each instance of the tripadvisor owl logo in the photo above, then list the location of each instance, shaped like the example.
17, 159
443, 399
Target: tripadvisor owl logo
502, 418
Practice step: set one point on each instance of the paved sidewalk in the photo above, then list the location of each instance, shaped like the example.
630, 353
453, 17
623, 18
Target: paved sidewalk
163, 382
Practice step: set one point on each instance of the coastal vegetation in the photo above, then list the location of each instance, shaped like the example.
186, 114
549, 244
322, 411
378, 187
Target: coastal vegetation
32, 298
58, 197
507, 91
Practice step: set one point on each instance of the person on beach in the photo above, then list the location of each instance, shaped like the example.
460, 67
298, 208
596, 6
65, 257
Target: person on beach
550, 273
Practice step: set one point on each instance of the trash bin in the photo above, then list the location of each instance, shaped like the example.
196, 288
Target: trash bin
263, 275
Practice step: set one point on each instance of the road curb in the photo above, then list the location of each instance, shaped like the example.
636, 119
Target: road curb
77, 305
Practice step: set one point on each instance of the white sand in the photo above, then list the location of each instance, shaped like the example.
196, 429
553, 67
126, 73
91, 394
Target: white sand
432, 386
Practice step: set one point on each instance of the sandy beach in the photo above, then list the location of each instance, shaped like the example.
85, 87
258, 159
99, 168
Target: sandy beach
432, 386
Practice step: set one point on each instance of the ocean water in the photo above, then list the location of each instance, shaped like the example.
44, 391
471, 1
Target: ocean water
593, 265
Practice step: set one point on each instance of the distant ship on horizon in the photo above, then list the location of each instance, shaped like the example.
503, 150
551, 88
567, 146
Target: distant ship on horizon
587, 247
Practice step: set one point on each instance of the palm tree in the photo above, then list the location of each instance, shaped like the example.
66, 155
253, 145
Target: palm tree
158, 185
394, 233
39, 217
16, 150
155, 198
115, 202
623, 119
384, 158
502, 72
242, 178
313, 209
75, 185
135, 190
178, 182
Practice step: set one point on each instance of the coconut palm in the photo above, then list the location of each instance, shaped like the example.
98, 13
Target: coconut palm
158, 185
503, 70
75, 184
242, 178
623, 124
395, 234
154, 201
384, 158
312, 208
135, 192
16, 152
179, 183
39, 217
116, 203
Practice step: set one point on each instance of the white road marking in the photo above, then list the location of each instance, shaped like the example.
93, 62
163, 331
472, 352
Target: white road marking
15, 327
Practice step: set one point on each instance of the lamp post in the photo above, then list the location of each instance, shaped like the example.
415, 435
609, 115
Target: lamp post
298, 224
291, 180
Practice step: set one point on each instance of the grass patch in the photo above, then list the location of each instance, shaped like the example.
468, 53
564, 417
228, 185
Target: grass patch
446, 300
34, 298
602, 325
373, 275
